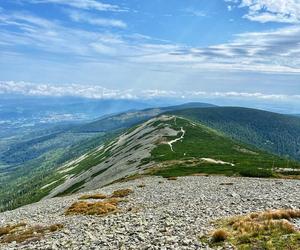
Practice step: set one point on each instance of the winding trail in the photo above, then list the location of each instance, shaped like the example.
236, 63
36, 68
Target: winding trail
177, 139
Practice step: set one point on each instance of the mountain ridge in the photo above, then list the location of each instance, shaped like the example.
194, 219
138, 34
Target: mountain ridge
41, 172
165, 145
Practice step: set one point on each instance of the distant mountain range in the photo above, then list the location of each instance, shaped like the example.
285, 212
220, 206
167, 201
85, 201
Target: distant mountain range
22, 114
180, 140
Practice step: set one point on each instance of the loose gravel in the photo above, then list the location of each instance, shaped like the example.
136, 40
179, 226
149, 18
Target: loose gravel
163, 214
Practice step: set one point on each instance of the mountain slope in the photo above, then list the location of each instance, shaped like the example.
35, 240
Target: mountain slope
37, 177
276, 133
29, 160
118, 159
167, 146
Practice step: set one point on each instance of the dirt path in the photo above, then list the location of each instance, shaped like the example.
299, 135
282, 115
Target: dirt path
177, 139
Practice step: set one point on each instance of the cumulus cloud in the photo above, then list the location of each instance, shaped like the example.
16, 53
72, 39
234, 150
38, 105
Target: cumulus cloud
283, 11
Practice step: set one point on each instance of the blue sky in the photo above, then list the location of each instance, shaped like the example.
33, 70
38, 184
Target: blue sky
235, 48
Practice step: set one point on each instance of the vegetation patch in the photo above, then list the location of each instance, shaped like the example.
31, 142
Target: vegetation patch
227, 184
203, 142
74, 188
107, 206
99, 172
122, 193
92, 196
205, 169
257, 172
172, 178
219, 235
270, 230
22, 232
91, 208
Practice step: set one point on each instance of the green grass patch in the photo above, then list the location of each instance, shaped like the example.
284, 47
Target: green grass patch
257, 172
202, 142
184, 170
74, 188
99, 172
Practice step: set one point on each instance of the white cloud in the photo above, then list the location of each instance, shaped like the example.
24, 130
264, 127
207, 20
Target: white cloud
94, 20
269, 51
87, 91
52, 36
283, 11
81, 4
98, 92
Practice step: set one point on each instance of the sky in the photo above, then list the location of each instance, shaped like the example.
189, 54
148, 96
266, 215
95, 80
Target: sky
194, 49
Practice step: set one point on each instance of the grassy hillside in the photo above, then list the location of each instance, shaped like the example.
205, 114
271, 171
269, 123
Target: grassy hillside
22, 184
276, 133
201, 145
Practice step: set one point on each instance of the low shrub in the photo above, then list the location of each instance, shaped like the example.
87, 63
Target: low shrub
22, 232
256, 172
121, 193
92, 196
219, 235
91, 208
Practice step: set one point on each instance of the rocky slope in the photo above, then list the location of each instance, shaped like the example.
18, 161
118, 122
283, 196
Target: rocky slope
159, 214
120, 158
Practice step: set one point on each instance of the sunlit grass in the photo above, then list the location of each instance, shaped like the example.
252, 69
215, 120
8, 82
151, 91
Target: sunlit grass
262, 230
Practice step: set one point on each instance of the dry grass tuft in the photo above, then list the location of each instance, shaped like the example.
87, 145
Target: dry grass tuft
172, 178
201, 174
255, 229
270, 215
10, 228
55, 227
91, 208
121, 193
106, 206
115, 201
219, 235
92, 196
22, 232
